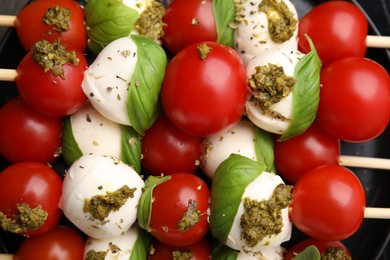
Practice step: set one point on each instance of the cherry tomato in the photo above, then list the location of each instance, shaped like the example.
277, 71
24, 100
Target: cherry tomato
31, 28
199, 251
329, 203
187, 22
203, 97
50, 94
322, 246
166, 149
60, 243
354, 99
21, 132
338, 30
183, 193
33, 185
313, 148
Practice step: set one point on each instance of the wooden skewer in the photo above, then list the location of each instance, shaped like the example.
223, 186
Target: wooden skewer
7, 20
8, 74
6, 256
364, 162
377, 213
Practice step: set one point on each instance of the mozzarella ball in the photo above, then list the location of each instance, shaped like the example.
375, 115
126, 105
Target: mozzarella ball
96, 180
266, 253
259, 189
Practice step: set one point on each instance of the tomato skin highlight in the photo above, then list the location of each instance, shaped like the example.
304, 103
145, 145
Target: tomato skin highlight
354, 99
35, 184
30, 28
187, 22
298, 155
166, 149
22, 126
334, 23
60, 243
49, 94
171, 200
205, 97
329, 203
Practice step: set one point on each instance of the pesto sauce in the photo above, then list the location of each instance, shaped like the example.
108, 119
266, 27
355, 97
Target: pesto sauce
59, 17
182, 255
190, 217
203, 50
26, 218
100, 206
335, 253
269, 85
264, 218
281, 21
52, 56
95, 255
150, 24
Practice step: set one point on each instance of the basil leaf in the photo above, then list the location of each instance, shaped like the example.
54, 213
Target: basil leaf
70, 148
224, 15
141, 246
264, 148
223, 252
131, 148
310, 253
107, 20
231, 178
145, 209
143, 105
306, 93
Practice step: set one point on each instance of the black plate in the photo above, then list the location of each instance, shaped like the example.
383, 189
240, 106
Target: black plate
371, 239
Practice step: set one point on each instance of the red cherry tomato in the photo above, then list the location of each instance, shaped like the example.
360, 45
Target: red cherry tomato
354, 99
338, 30
199, 251
166, 149
184, 192
203, 97
187, 22
49, 94
60, 243
329, 203
33, 184
313, 148
322, 246
31, 28
38, 134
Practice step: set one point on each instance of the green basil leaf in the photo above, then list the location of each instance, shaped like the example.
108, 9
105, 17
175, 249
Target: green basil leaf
145, 209
131, 148
224, 15
143, 105
264, 148
310, 253
231, 177
223, 252
141, 246
107, 20
70, 148
306, 93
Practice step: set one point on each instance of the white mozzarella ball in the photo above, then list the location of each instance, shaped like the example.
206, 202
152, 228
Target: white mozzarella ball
93, 175
118, 247
266, 253
288, 59
259, 189
138, 5
96, 134
239, 140
107, 79
252, 37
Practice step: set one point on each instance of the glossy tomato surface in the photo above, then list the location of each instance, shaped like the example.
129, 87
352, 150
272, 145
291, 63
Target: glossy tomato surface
27, 135
31, 28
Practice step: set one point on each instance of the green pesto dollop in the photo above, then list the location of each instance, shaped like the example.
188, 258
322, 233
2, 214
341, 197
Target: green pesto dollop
190, 217
100, 206
182, 255
150, 24
95, 255
26, 218
335, 253
281, 21
264, 218
269, 84
52, 56
59, 17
